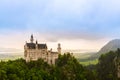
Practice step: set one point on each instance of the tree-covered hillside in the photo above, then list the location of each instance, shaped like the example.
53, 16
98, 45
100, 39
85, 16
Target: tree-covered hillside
107, 67
66, 68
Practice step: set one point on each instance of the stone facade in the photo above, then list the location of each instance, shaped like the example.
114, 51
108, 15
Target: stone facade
34, 51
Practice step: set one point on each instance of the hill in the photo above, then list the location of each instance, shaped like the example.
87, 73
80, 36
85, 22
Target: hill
109, 71
113, 45
66, 68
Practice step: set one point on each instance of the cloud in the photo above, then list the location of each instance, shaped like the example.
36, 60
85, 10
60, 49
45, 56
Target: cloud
61, 19
57, 36
17, 40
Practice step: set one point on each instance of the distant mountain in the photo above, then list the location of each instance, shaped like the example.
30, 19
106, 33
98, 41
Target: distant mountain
10, 51
79, 51
110, 46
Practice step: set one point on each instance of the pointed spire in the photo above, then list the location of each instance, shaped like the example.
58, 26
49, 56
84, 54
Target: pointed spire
51, 50
32, 39
36, 42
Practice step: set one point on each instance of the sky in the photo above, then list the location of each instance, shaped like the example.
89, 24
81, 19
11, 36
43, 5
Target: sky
76, 24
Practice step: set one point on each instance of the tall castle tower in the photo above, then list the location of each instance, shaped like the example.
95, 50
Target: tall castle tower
59, 48
32, 39
34, 51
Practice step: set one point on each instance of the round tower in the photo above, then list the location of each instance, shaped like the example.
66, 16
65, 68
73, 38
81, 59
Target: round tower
59, 48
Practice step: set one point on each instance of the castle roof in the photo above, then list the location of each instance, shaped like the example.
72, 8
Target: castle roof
54, 52
42, 46
33, 46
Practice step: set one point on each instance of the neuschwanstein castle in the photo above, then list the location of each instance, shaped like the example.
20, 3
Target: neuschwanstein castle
34, 51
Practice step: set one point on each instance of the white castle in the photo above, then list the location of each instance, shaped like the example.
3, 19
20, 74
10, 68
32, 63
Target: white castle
34, 51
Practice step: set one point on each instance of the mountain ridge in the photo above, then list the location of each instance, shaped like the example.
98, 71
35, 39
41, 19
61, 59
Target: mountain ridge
112, 45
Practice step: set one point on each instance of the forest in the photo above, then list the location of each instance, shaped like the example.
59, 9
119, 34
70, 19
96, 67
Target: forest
67, 67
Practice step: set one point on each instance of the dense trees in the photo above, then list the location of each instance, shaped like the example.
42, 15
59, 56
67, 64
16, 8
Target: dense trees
66, 68
107, 68
70, 69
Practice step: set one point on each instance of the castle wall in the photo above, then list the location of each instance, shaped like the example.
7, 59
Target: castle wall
32, 53
35, 54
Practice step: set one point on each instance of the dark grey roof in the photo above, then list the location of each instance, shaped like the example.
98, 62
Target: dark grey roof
54, 52
42, 46
33, 46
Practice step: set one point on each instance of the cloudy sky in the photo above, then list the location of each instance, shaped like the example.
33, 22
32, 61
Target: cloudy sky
76, 24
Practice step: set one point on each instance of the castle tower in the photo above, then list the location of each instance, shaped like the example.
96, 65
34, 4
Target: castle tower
59, 48
31, 39
36, 44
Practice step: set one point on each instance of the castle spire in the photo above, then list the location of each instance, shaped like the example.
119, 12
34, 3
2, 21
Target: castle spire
32, 39
36, 42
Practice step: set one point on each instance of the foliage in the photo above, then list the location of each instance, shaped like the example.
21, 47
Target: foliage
66, 68
89, 62
107, 68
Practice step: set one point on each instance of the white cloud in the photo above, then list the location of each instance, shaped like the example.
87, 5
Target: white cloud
44, 16
17, 40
